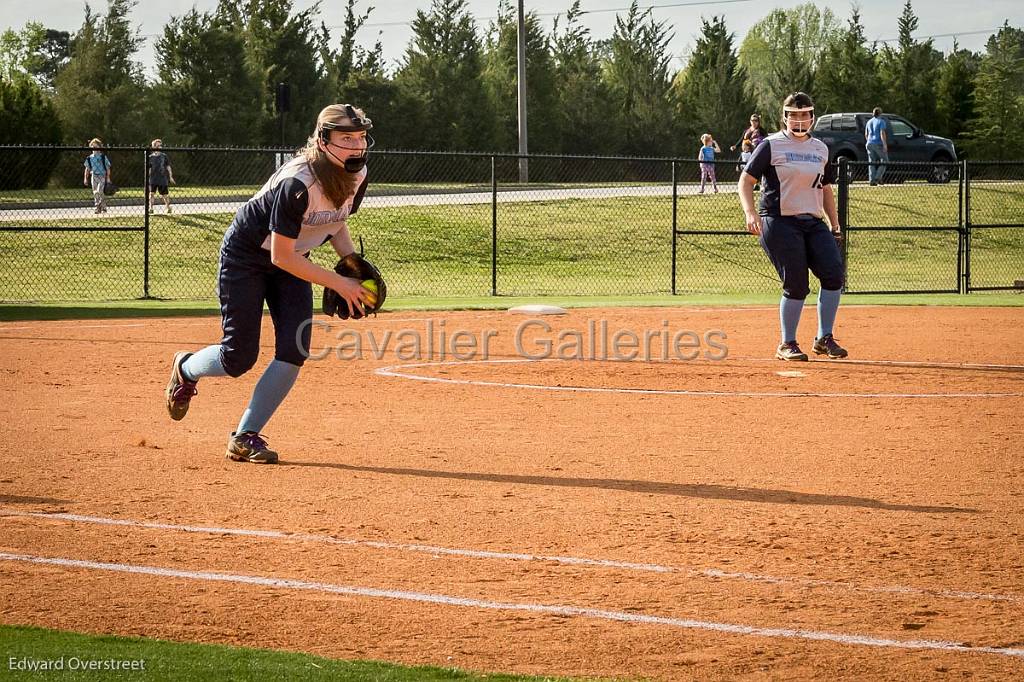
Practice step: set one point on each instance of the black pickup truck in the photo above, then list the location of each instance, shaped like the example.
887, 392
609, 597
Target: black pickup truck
844, 136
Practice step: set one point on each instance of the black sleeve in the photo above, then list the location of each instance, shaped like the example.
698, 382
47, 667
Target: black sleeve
291, 199
761, 161
358, 198
831, 174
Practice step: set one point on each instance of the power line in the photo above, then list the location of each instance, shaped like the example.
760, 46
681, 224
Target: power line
774, 48
584, 11
408, 22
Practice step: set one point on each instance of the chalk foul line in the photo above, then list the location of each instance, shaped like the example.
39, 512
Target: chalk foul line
545, 609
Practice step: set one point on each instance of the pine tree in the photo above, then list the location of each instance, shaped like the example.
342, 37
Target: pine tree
209, 92
847, 77
910, 73
639, 82
582, 95
27, 116
501, 78
955, 92
357, 76
281, 47
995, 132
442, 71
711, 91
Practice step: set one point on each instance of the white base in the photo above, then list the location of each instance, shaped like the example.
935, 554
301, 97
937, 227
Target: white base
538, 309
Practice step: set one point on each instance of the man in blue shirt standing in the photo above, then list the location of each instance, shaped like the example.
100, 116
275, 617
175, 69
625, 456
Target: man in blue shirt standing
877, 143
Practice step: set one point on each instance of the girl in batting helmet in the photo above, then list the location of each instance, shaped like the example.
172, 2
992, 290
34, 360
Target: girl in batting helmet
797, 178
263, 259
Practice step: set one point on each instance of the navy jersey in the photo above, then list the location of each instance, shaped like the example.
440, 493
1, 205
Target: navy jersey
792, 175
293, 204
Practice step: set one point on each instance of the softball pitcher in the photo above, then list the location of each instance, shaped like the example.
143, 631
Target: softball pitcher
264, 258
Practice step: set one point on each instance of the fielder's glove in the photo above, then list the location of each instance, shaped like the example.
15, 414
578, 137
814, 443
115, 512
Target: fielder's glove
356, 267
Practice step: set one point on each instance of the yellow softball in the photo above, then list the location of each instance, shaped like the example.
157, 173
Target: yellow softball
371, 286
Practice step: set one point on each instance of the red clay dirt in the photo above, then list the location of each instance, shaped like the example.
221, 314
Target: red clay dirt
750, 499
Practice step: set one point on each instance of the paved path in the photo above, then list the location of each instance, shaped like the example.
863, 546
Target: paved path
384, 201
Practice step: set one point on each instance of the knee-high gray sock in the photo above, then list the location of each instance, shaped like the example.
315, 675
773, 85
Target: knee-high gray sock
270, 391
828, 306
204, 363
789, 317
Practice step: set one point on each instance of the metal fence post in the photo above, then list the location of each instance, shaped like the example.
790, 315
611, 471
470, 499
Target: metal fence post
844, 213
966, 237
494, 228
675, 224
145, 224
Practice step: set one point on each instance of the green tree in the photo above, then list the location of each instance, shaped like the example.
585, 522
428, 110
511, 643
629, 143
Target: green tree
582, 105
955, 92
442, 71
910, 72
13, 55
847, 76
101, 91
501, 79
357, 76
281, 47
349, 57
995, 132
34, 51
711, 90
26, 117
208, 90
639, 83
781, 54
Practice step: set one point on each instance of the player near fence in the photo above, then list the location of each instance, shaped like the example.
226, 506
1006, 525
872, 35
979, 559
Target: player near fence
264, 258
797, 194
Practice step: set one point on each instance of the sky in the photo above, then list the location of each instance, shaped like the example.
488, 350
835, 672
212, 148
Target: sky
390, 20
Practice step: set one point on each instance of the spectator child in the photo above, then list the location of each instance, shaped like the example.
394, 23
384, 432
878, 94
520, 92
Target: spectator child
706, 156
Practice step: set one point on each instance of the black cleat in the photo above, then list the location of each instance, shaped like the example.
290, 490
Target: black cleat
827, 345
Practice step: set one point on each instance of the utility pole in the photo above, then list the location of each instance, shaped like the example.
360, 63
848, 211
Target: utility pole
524, 173
283, 104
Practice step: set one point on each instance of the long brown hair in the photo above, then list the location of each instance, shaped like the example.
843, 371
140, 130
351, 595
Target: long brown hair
338, 184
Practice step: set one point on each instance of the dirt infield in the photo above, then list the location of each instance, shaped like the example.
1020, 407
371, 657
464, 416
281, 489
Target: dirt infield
658, 517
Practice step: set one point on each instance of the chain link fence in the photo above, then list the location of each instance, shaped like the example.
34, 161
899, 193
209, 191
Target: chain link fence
904, 234
994, 213
459, 225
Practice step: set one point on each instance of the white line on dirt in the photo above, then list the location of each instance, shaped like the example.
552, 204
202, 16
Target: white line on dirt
514, 556
552, 609
402, 372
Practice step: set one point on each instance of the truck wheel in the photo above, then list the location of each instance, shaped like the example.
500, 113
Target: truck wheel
939, 172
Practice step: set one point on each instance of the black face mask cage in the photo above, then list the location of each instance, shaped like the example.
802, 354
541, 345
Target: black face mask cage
357, 124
